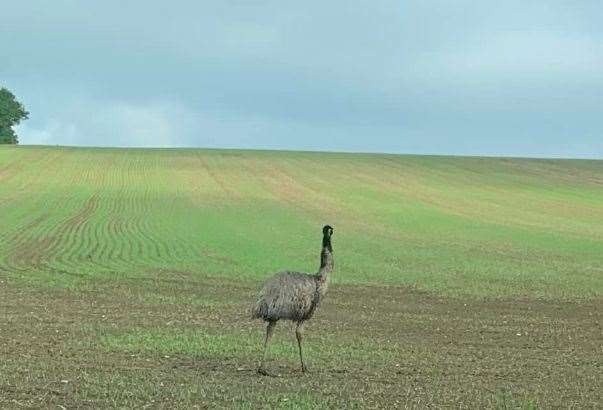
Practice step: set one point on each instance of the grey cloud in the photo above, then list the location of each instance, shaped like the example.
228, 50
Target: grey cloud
466, 77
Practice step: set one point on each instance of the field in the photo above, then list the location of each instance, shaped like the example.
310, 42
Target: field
127, 275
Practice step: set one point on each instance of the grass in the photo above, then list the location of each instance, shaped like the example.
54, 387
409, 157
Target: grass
199, 344
458, 226
126, 278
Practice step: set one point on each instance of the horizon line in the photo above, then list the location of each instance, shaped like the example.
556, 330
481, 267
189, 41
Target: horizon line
309, 151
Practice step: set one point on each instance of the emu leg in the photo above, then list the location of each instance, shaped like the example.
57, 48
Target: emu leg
269, 330
299, 335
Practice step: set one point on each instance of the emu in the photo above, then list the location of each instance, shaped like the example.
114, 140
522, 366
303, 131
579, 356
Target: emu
294, 296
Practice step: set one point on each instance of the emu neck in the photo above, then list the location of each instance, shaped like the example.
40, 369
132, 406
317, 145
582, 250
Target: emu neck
326, 263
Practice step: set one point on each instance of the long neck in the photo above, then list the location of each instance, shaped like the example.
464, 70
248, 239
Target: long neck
326, 262
326, 258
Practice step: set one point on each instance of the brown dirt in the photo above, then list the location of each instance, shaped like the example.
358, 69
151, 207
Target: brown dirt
441, 352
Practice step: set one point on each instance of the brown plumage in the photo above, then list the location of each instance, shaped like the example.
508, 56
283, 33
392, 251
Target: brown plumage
294, 296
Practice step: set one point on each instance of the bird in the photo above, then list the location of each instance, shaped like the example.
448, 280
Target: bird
294, 296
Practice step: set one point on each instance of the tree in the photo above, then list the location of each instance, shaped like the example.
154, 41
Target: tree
11, 114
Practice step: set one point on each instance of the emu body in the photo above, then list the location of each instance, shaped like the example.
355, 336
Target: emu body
289, 295
294, 296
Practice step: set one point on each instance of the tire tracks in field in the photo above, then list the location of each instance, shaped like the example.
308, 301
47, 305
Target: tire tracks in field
28, 243
486, 209
134, 238
106, 242
159, 249
217, 178
38, 252
286, 188
21, 253
14, 167
70, 232
75, 231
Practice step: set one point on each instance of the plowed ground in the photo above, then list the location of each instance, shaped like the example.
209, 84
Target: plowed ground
159, 343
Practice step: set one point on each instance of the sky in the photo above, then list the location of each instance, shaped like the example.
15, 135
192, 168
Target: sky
481, 77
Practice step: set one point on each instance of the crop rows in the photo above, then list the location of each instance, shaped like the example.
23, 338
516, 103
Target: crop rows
456, 225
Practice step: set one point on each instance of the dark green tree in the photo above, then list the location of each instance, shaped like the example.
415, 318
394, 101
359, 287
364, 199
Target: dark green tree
11, 114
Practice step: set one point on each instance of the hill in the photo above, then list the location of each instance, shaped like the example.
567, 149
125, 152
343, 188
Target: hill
127, 275
495, 227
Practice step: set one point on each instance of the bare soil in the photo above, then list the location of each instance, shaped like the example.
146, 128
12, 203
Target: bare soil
414, 349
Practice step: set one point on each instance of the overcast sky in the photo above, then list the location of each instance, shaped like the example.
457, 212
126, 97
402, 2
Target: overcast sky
482, 77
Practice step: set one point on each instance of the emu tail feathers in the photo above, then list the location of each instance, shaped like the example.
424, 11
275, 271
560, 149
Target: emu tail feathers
259, 310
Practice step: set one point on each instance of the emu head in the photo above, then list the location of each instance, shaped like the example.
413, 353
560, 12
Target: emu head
327, 231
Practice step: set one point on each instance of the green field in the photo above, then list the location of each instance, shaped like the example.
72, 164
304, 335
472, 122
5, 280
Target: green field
133, 271
476, 226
